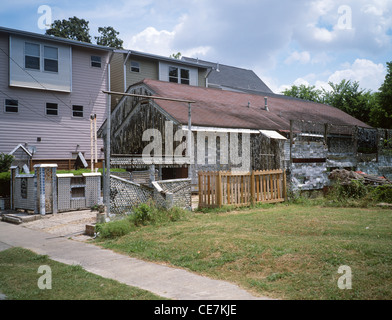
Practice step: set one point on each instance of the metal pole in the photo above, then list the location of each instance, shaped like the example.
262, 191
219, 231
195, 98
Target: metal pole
107, 184
95, 140
189, 140
91, 144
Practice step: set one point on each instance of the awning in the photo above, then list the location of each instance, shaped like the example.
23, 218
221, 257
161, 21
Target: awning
272, 134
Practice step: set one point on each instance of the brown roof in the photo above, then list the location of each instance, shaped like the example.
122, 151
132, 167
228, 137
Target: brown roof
226, 109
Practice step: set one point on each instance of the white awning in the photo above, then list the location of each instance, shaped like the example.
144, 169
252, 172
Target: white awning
216, 129
272, 134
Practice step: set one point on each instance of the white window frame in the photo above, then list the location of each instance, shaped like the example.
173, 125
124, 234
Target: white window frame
29, 55
187, 79
92, 61
179, 77
135, 66
57, 60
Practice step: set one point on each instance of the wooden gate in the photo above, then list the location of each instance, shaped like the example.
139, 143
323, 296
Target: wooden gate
241, 188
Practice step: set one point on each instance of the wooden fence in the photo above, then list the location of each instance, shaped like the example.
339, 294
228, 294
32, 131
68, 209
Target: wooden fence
241, 189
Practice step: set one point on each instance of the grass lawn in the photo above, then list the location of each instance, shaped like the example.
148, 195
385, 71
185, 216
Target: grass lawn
19, 280
281, 251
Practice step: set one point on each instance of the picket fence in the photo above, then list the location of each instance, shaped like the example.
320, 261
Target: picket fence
217, 189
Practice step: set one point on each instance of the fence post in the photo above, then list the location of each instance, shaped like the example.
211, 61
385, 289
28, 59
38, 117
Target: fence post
284, 185
252, 188
219, 177
200, 189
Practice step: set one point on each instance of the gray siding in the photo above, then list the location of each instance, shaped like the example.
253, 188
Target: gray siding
148, 70
117, 76
60, 134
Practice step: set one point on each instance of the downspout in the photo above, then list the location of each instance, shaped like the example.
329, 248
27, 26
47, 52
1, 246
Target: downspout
125, 70
108, 129
207, 75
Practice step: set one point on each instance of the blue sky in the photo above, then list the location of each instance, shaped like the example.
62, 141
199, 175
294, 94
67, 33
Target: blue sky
285, 42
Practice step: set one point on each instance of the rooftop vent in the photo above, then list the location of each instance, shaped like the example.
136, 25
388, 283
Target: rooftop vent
266, 104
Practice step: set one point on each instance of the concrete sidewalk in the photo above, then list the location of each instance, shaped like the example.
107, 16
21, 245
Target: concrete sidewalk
162, 280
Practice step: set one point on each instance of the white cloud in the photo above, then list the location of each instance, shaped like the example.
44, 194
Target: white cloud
152, 41
301, 57
161, 42
369, 75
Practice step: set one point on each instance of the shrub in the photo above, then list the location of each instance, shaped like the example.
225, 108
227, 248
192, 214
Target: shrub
142, 214
5, 162
354, 190
145, 213
382, 193
148, 213
114, 229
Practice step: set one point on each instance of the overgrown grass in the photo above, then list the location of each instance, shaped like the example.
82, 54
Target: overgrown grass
354, 195
144, 214
282, 251
19, 280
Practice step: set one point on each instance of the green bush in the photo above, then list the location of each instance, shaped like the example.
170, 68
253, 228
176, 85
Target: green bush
5, 162
148, 213
114, 229
382, 194
144, 214
356, 189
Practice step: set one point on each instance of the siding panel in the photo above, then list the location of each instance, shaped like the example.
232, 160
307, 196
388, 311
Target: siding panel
60, 135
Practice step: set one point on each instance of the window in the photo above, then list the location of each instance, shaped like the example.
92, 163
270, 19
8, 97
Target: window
135, 66
51, 62
11, 106
173, 74
77, 111
184, 76
32, 56
51, 109
96, 61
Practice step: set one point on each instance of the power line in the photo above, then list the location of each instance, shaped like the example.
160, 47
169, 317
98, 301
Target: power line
43, 87
34, 111
49, 91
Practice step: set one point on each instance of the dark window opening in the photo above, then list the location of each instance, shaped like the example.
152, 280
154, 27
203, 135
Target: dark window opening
96, 61
32, 56
135, 66
11, 106
51, 62
77, 111
52, 109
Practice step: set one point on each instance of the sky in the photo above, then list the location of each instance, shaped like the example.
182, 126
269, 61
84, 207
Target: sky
285, 42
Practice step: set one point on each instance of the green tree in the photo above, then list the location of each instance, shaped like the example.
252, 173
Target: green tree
5, 162
381, 115
348, 97
109, 38
176, 55
73, 28
309, 93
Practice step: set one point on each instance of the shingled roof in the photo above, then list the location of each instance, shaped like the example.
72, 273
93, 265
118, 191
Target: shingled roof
227, 109
232, 78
